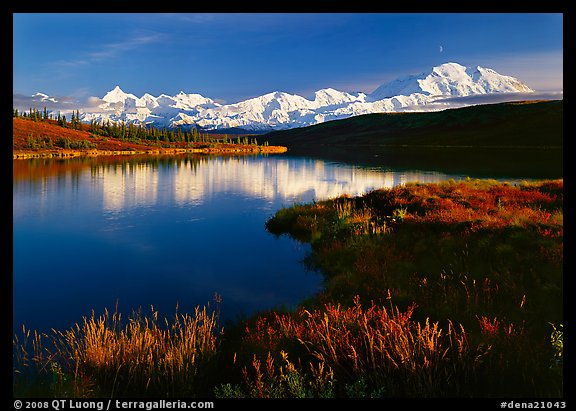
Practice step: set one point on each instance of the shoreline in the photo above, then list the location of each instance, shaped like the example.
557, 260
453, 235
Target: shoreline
461, 316
26, 154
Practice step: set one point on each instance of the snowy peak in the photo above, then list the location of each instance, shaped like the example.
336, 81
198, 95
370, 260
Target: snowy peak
116, 95
451, 79
274, 100
148, 101
453, 70
281, 110
493, 82
44, 97
189, 101
402, 86
330, 97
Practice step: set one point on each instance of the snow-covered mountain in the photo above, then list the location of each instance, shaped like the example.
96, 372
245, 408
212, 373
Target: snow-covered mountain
280, 110
44, 97
451, 79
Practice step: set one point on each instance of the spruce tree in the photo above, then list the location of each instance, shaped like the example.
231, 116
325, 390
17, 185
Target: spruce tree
78, 124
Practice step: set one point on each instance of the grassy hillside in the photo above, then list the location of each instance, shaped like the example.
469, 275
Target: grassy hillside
45, 138
515, 140
522, 124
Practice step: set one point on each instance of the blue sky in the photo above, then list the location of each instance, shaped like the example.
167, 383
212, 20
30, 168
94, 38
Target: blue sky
231, 57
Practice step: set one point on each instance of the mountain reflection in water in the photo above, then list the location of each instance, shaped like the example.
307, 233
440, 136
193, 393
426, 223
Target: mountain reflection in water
141, 231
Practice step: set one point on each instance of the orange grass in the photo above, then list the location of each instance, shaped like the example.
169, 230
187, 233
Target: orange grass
480, 253
479, 240
390, 352
382, 351
142, 357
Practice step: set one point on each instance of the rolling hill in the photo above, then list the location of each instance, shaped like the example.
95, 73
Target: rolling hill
522, 139
519, 124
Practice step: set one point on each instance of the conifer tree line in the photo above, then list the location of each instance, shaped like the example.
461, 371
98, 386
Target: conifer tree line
131, 132
33, 114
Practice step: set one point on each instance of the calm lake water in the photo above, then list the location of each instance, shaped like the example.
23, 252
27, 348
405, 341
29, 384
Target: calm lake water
161, 231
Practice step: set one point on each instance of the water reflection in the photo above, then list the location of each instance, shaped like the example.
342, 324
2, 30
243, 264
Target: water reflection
164, 230
194, 180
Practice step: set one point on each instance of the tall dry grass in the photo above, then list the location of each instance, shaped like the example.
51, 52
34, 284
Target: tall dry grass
143, 356
462, 251
363, 351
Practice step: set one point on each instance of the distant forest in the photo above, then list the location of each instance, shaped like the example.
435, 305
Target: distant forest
134, 133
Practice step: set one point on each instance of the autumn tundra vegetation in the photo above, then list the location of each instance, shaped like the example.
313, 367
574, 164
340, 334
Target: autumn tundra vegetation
452, 289
38, 134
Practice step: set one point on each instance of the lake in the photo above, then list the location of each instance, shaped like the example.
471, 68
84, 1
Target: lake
162, 231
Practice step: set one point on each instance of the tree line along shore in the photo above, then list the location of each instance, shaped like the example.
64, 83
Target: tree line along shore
36, 134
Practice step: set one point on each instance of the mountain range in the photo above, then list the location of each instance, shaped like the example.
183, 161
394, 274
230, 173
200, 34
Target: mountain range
280, 110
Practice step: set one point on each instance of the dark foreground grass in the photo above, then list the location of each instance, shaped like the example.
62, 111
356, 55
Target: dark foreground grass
432, 290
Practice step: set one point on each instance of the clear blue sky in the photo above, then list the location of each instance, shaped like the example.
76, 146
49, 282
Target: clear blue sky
231, 57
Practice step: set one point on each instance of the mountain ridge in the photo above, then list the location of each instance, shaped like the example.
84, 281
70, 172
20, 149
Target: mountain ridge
281, 110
